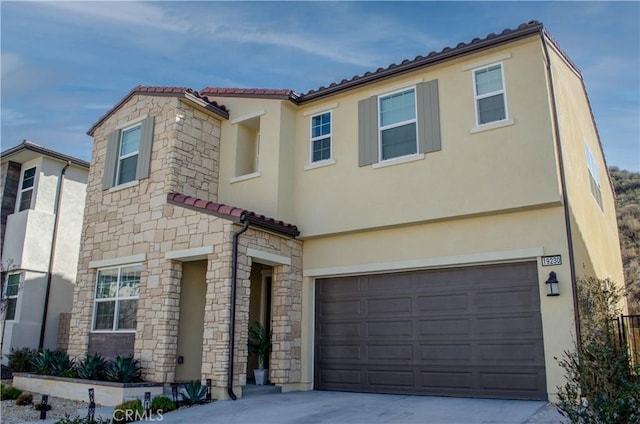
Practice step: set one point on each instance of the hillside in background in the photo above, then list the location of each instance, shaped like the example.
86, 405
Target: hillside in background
627, 186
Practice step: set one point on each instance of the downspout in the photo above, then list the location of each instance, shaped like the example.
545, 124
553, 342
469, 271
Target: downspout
232, 323
52, 254
565, 200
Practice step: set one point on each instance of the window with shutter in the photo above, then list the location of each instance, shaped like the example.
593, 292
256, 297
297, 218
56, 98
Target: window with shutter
128, 155
399, 124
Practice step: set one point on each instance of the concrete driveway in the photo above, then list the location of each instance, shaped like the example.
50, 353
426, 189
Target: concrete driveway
315, 407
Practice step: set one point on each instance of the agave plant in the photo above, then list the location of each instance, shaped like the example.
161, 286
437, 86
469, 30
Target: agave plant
124, 369
21, 360
93, 367
54, 362
194, 392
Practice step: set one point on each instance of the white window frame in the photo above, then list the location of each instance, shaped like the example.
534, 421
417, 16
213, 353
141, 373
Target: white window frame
477, 98
32, 188
321, 137
6, 298
591, 164
398, 124
128, 155
116, 299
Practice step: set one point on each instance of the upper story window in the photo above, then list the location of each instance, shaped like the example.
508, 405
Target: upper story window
116, 301
26, 189
321, 137
128, 154
490, 97
398, 125
12, 287
594, 175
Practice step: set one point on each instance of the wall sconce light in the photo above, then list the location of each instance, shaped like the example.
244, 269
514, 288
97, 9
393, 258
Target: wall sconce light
552, 285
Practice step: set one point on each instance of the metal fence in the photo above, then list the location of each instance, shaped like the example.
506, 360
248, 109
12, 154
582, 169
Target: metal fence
628, 330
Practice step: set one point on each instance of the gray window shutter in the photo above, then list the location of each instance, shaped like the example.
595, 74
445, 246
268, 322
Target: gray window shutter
111, 160
368, 131
144, 153
428, 116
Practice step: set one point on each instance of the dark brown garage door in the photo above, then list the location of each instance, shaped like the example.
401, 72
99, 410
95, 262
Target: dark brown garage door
472, 331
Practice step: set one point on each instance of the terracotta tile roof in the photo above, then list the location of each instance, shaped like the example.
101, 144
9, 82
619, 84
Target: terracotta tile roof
233, 213
163, 91
407, 65
250, 92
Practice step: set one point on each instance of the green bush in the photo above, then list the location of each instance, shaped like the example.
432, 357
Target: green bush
194, 392
10, 393
54, 362
128, 411
600, 387
24, 399
162, 404
125, 369
21, 360
93, 367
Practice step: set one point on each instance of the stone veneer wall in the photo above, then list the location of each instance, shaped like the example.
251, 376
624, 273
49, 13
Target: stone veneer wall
137, 220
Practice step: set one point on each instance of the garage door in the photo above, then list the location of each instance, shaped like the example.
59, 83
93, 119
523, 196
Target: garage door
471, 331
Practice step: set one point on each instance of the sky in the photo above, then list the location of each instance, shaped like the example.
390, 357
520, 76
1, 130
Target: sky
64, 64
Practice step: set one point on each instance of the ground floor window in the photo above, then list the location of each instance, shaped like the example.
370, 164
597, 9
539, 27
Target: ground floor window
116, 301
12, 287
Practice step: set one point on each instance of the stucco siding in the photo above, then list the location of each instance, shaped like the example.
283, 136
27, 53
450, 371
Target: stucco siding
499, 169
594, 230
508, 237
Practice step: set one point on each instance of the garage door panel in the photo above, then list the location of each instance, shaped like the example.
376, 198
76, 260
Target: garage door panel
339, 309
472, 331
389, 329
342, 352
389, 307
340, 329
390, 352
445, 353
458, 327
433, 305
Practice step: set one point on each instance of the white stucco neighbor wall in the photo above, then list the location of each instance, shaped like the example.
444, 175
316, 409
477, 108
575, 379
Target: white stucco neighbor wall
27, 248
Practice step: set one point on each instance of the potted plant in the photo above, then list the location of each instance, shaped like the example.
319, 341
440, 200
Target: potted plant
260, 345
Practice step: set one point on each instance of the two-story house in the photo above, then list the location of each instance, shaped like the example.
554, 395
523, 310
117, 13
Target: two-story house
43, 194
416, 229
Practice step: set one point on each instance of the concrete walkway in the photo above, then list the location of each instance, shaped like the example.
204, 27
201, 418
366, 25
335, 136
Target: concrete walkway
316, 407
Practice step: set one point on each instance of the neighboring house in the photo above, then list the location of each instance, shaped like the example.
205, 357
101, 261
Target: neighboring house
419, 212
43, 194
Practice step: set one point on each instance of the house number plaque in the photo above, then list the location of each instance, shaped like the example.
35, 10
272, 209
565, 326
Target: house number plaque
551, 260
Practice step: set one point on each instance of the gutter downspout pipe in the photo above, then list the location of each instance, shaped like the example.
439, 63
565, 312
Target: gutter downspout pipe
232, 323
565, 199
52, 254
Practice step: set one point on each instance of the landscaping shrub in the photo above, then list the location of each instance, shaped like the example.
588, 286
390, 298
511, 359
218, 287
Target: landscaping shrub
128, 412
10, 393
24, 399
162, 404
21, 360
93, 367
54, 362
600, 387
125, 369
194, 392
